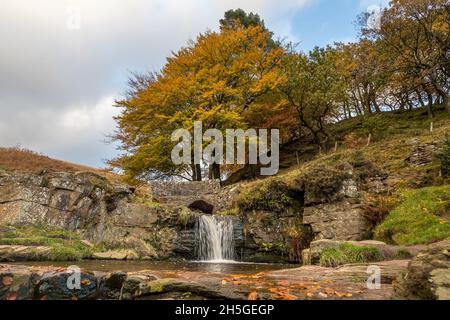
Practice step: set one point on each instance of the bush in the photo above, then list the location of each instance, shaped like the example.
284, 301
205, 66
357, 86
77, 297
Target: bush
419, 219
347, 253
271, 195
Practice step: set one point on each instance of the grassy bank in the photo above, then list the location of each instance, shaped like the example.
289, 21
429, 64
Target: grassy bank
421, 218
347, 253
64, 245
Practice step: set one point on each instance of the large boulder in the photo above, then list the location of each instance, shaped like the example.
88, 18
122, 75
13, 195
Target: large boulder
55, 285
428, 275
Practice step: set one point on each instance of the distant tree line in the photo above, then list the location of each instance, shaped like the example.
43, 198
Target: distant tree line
242, 77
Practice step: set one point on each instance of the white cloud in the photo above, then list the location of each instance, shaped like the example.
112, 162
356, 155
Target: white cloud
368, 4
57, 83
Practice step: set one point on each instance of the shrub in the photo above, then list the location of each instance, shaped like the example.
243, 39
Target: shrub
377, 207
347, 253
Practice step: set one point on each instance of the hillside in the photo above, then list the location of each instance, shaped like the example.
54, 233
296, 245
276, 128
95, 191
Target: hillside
27, 161
387, 129
391, 189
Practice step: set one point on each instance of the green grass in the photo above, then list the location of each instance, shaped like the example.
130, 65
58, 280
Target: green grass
65, 245
421, 218
347, 253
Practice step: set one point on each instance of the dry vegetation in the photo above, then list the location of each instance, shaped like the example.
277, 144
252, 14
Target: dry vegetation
23, 160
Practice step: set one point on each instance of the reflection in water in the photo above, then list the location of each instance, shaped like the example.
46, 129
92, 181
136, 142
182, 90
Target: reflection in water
165, 266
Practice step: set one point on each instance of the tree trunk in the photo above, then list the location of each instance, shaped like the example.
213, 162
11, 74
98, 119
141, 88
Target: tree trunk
447, 104
196, 172
214, 171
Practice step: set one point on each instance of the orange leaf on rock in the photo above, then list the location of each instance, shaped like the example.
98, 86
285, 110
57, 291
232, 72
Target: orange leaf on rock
85, 282
284, 283
11, 296
7, 281
253, 295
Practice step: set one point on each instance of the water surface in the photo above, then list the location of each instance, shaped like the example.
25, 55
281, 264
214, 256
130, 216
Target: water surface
166, 266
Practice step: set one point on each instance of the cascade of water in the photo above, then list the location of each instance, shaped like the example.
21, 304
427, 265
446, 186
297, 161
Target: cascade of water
215, 238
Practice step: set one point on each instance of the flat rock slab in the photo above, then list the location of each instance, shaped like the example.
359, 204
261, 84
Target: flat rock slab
24, 253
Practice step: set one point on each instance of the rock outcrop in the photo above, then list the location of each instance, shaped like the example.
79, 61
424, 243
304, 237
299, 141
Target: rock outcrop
66, 200
323, 203
102, 212
428, 275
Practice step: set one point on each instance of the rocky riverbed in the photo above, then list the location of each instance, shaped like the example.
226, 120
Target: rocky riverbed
426, 276
308, 282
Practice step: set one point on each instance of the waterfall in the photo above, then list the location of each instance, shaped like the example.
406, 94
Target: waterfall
215, 236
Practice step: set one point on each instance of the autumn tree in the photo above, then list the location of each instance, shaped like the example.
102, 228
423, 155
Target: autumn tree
221, 78
313, 90
362, 67
416, 34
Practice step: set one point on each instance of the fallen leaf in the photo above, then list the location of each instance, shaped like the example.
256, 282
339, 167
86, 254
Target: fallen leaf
85, 282
253, 295
224, 282
284, 283
11, 296
7, 281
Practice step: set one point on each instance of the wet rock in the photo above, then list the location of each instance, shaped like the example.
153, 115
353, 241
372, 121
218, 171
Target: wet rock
63, 286
111, 286
168, 285
136, 285
17, 285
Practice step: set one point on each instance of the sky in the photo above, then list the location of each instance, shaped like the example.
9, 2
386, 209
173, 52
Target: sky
63, 63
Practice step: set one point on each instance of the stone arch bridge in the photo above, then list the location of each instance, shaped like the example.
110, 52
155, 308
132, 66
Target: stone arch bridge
207, 196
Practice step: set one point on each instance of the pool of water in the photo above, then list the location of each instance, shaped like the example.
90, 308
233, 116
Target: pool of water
166, 266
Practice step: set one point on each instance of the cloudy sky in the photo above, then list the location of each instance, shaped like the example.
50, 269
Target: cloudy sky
64, 62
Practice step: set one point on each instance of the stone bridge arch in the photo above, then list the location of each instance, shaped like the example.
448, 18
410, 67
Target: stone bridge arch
205, 196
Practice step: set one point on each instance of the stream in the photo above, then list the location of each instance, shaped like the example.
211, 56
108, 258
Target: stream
165, 266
